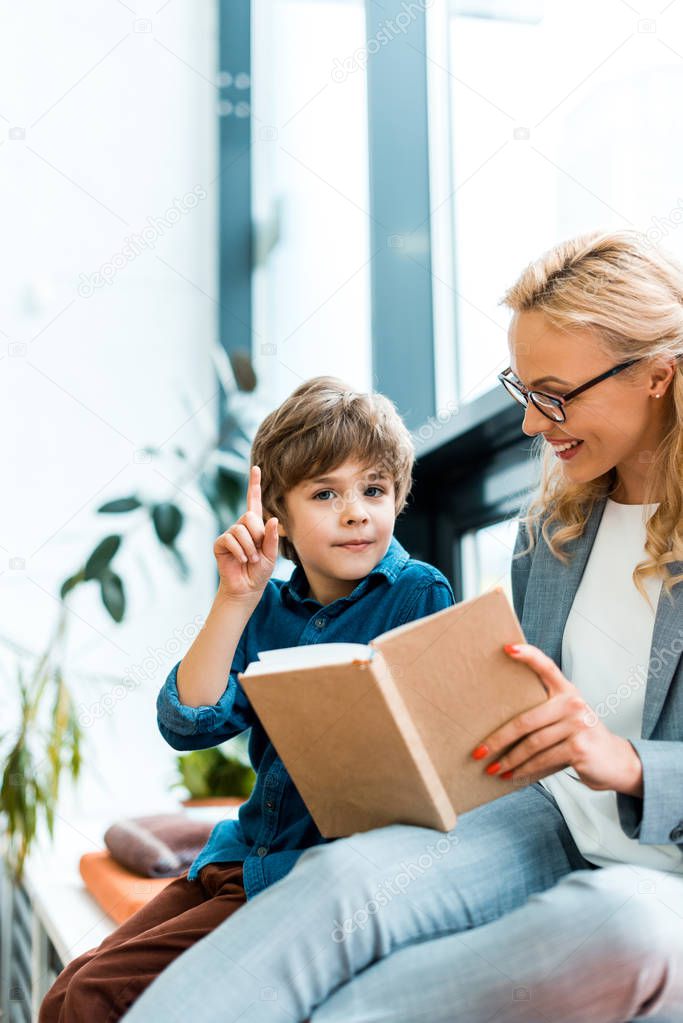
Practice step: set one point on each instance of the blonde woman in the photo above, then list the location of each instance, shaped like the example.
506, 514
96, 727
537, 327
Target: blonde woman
562, 901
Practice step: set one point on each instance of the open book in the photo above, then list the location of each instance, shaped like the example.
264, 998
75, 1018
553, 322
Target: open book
383, 734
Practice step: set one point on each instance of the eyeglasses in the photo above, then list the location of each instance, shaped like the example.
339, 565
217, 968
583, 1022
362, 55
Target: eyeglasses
552, 405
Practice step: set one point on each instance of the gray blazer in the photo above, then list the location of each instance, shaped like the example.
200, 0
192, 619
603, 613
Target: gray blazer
543, 592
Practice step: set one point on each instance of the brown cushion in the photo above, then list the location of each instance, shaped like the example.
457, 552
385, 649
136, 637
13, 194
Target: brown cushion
162, 845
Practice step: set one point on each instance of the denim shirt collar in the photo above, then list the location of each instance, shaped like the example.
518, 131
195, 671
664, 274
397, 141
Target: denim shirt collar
390, 567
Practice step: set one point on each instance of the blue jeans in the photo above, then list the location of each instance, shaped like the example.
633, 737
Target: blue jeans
601, 945
357, 900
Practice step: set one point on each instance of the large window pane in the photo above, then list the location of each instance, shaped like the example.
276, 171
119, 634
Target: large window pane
561, 121
310, 183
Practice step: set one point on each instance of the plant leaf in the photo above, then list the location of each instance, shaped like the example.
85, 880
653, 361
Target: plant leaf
168, 521
70, 583
113, 596
101, 556
121, 504
230, 488
75, 736
59, 722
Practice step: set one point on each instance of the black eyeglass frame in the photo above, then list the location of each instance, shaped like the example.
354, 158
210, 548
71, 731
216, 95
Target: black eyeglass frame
558, 400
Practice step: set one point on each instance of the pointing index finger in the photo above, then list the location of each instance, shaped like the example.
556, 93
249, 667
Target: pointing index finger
254, 491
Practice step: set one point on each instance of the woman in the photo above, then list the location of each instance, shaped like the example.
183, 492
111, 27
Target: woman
563, 900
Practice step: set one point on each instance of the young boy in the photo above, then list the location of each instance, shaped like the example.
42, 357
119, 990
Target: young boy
336, 469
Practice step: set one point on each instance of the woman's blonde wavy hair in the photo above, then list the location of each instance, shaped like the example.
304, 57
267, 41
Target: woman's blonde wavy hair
631, 294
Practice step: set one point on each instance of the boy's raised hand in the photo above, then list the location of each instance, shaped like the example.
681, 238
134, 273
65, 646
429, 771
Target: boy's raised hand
246, 553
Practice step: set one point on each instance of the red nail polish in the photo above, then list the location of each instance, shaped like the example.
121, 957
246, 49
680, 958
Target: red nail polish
511, 648
480, 752
506, 775
493, 768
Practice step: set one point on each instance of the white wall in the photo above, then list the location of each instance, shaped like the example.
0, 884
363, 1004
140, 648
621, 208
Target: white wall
115, 111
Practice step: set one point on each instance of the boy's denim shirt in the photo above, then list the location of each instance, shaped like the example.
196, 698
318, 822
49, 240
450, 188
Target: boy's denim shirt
274, 826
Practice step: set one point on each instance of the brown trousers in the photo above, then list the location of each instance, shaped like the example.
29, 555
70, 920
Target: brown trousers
102, 984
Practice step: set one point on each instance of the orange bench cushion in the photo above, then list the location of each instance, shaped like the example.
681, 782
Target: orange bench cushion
119, 892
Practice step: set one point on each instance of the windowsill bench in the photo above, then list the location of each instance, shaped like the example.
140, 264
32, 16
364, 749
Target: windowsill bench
52, 917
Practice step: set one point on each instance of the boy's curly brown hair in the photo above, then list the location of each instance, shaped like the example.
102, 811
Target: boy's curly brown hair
317, 428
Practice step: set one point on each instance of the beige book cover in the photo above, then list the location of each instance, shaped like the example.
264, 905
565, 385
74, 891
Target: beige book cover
383, 734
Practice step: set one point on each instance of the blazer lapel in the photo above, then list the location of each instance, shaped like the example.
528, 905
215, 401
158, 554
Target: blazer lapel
665, 652
544, 618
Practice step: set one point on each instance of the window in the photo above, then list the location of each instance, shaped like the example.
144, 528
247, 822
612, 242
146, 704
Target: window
486, 556
310, 193
560, 121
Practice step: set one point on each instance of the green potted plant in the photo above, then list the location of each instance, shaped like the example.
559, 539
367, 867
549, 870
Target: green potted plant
48, 739
221, 775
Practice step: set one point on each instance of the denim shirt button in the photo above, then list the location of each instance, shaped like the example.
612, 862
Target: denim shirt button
270, 805
320, 623
261, 851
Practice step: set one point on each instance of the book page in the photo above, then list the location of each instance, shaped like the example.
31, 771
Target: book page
315, 655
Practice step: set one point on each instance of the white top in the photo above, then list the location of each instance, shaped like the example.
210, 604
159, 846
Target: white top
605, 653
